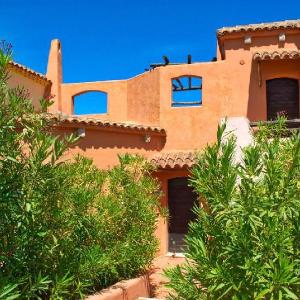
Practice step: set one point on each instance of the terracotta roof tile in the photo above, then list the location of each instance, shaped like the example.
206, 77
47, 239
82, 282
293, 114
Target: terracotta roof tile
180, 159
289, 24
92, 121
25, 70
277, 54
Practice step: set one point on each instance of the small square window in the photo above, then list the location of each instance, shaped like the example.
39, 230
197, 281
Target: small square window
186, 91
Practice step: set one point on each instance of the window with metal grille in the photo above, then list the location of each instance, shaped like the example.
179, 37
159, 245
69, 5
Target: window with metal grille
186, 91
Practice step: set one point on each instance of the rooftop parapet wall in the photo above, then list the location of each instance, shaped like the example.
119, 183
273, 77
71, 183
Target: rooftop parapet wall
116, 97
233, 86
135, 99
192, 127
143, 92
230, 89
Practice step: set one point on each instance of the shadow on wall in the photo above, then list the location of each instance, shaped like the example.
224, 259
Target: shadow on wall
269, 69
263, 41
108, 139
256, 110
90, 102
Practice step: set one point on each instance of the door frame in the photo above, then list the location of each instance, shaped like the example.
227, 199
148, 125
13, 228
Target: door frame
286, 76
191, 201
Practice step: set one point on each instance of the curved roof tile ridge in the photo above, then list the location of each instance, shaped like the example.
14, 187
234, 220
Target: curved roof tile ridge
175, 159
23, 69
85, 120
276, 54
288, 24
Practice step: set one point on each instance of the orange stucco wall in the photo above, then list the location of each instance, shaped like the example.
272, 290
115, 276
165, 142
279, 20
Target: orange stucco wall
128, 289
230, 89
143, 98
116, 97
247, 97
36, 90
190, 128
104, 145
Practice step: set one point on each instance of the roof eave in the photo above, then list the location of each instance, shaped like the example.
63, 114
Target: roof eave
254, 28
73, 122
41, 78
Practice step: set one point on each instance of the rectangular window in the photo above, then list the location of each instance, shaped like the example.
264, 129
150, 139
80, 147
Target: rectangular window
186, 91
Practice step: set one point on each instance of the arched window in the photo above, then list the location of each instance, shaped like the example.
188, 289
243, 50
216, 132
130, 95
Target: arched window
91, 102
186, 91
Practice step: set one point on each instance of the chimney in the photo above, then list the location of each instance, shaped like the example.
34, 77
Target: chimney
54, 73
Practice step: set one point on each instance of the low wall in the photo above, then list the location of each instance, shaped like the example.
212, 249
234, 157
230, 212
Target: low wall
125, 290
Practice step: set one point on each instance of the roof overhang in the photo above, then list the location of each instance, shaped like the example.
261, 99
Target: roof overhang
27, 72
239, 31
175, 160
276, 55
62, 120
252, 28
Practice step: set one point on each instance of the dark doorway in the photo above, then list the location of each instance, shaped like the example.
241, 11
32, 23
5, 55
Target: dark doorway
282, 98
181, 200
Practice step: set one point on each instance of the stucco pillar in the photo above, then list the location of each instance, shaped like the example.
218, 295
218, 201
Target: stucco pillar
54, 73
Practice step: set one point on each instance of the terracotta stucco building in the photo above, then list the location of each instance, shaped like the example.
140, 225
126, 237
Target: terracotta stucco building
255, 75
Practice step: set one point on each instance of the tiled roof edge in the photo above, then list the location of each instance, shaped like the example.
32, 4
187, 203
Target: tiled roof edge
276, 54
25, 70
81, 120
288, 24
171, 160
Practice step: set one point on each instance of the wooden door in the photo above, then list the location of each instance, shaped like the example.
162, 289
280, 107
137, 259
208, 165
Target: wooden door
181, 200
282, 98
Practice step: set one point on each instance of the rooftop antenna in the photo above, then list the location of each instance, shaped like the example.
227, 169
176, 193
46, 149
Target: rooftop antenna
189, 59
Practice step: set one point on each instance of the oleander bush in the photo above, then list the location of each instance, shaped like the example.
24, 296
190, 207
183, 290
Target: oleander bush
66, 228
245, 243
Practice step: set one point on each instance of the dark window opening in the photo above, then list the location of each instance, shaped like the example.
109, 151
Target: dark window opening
181, 201
93, 102
282, 98
186, 91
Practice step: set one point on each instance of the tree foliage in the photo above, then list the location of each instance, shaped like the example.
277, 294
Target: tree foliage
66, 227
246, 243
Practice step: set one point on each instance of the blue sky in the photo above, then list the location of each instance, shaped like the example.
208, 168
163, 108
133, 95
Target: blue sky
116, 39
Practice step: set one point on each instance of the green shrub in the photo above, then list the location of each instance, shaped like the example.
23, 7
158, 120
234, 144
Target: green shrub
115, 213
66, 228
245, 245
